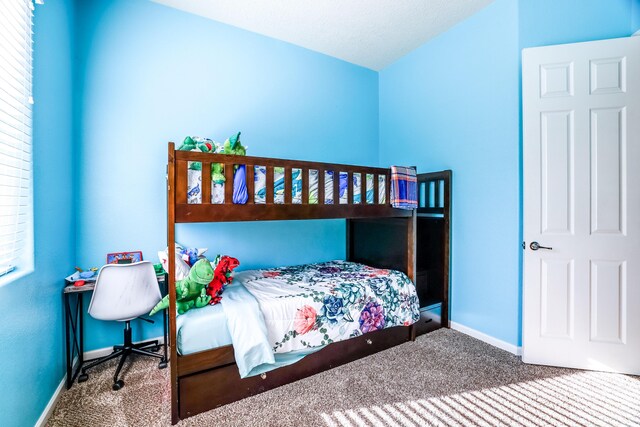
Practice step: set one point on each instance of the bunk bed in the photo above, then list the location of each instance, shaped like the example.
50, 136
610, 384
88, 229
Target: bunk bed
207, 379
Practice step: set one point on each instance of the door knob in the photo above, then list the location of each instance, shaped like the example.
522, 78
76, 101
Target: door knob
535, 246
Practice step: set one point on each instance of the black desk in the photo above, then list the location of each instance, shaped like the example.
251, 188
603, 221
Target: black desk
74, 324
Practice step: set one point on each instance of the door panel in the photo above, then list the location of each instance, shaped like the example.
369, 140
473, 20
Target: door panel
581, 161
608, 177
557, 298
608, 301
557, 172
608, 75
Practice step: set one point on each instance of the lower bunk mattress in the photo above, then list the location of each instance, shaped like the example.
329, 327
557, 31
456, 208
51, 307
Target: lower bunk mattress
275, 317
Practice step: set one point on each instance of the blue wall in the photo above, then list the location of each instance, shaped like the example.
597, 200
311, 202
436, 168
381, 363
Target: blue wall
547, 22
148, 74
455, 103
31, 314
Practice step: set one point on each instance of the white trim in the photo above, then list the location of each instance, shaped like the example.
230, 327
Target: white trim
511, 348
101, 352
48, 410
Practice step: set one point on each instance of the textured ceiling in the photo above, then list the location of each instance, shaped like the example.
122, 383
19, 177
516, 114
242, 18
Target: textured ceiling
371, 33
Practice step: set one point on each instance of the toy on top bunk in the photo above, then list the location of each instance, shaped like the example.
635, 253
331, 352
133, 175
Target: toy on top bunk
231, 146
201, 284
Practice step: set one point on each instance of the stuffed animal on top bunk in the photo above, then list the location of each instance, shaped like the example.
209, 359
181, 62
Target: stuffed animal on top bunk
222, 275
199, 144
234, 147
231, 146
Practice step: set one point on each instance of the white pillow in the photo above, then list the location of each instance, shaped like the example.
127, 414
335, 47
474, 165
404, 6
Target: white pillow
182, 268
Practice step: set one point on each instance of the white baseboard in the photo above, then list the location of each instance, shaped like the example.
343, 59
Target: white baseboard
48, 410
101, 352
511, 348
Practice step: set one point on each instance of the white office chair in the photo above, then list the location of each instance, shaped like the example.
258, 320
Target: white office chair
124, 292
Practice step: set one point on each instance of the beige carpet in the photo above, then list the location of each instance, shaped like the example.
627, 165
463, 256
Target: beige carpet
443, 379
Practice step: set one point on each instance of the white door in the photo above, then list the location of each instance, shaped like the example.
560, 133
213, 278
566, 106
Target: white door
581, 297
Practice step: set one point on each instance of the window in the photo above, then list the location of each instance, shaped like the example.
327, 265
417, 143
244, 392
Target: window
16, 192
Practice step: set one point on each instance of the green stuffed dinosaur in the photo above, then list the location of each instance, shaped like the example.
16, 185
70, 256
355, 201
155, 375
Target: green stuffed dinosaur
203, 145
192, 290
231, 146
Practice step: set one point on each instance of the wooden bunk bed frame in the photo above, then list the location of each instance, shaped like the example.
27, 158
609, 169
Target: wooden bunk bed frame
208, 379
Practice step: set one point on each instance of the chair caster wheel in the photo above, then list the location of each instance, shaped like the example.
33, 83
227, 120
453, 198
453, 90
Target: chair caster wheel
162, 365
117, 385
82, 378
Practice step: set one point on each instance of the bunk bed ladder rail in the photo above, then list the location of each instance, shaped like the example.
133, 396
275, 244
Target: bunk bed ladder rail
433, 193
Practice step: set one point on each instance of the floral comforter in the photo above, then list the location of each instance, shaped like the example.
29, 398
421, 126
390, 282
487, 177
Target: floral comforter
312, 305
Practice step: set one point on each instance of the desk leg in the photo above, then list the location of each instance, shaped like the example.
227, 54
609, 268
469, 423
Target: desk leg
67, 318
74, 335
80, 332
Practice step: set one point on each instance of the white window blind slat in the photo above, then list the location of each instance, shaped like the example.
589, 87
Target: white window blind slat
10, 220
21, 112
13, 212
20, 133
14, 47
14, 92
14, 66
16, 121
19, 230
13, 153
18, 79
13, 168
16, 175
7, 250
18, 18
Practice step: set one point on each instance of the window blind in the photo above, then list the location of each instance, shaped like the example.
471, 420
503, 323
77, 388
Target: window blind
16, 192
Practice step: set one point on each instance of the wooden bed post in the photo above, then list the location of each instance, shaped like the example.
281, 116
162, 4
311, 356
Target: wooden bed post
411, 246
447, 246
412, 227
171, 289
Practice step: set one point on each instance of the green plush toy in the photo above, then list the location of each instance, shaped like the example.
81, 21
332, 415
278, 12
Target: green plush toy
192, 290
188, 144
203, 145
231, 146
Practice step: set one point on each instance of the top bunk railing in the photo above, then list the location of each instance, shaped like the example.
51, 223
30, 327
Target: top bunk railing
434, 191
276, 189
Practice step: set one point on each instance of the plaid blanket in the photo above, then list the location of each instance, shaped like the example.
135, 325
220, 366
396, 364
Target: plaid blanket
404, 188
